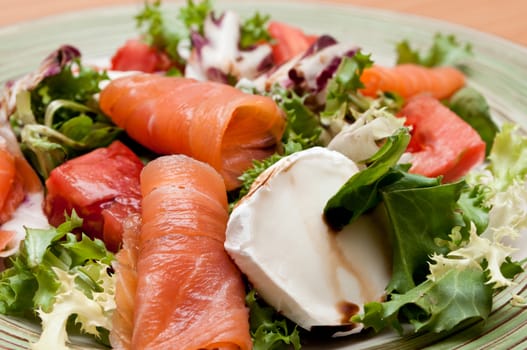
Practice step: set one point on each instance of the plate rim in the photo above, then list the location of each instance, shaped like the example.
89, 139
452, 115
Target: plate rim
489, 38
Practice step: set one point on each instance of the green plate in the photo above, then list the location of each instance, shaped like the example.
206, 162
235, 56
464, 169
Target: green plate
499, 70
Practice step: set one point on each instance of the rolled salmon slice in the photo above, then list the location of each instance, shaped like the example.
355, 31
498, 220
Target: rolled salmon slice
189, 294
126, 285
192, 302
410, 80
212, 122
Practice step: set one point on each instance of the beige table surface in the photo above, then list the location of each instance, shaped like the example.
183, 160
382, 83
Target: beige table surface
505, 18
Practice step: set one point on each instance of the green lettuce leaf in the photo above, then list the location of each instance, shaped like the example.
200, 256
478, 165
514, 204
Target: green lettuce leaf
254, 31
418, 217
74, 82
56, 275
342, 86
360, 193
458, 296
508, 157
166, 34
303, 125
445, 50
473, 108
269, 330
60, 119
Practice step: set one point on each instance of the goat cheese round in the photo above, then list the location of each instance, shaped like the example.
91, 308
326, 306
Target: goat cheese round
278, 238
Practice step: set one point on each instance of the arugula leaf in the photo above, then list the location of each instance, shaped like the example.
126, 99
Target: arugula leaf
472, 107
269, 330
458, 296
254, 31
345, 82
445, 51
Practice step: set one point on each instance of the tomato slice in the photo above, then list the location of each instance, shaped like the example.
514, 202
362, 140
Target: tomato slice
442, 143
289, 41
137, 55
103, 188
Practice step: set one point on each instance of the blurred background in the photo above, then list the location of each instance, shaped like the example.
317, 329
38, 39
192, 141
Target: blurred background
504, 18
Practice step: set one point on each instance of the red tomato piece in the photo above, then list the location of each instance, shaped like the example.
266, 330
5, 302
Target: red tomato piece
290, 41
442, 143
103, 188
137, 55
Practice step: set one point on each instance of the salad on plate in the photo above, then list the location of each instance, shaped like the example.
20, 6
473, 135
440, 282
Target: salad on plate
223, 182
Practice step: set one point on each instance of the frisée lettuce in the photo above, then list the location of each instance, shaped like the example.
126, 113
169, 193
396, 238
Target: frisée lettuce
64, 280
450, 244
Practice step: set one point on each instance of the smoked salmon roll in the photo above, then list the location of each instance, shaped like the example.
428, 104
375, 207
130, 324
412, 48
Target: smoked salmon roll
410, 80
212, 122
189, 294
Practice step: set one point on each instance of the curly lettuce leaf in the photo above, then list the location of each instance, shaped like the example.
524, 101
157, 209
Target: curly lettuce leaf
194, 14
508, 158
167, 34
343, 84
90, 311
303, 125
478, 252
473, 108
445, 50
56, 275
254, 31
269, 330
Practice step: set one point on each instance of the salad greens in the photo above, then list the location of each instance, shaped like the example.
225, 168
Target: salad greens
254, 31
58, 118
360, 193
440, 305
458, 250
450, 240
345, 82
303, 124
166, 36
65, 278
269, 330
176, 36
472, 107
446, 50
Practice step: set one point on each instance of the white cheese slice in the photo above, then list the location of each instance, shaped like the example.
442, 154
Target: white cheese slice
278, 238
